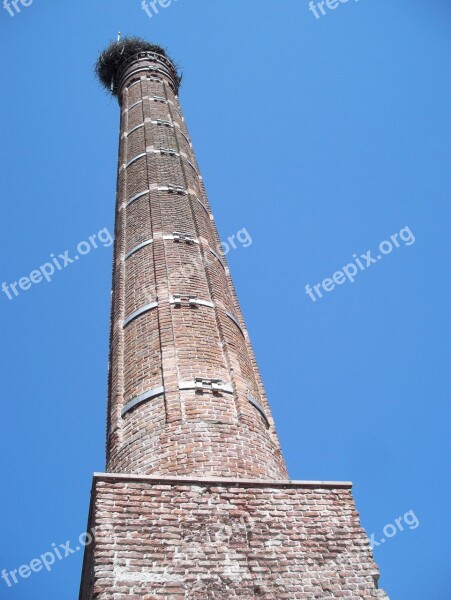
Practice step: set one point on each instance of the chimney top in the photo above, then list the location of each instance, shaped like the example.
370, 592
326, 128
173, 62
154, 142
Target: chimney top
111, 61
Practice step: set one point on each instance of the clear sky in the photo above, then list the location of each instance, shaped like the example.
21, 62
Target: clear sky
323, 137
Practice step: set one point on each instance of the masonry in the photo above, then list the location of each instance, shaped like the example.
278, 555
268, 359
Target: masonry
196, 502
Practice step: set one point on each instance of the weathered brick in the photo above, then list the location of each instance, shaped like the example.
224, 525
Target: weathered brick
178, 548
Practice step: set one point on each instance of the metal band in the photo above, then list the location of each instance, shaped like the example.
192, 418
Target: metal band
174, 105
147, 70
135, 158
134, 129
153, 56
137, 196
133, 83
139, 312
142, 398
151, 78
190, 144
134, 103
232, 318
138, 247
192, 166
216, 255
120, 78
259, 407
205, 303
203, 206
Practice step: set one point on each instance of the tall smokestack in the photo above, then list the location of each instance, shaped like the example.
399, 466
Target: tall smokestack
196, 503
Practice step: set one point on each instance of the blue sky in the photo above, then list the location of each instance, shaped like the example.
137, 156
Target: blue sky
322, 137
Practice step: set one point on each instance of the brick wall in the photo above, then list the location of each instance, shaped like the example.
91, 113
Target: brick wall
200, 540
160, 421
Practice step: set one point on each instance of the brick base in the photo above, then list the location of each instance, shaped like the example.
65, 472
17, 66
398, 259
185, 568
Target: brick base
196, 539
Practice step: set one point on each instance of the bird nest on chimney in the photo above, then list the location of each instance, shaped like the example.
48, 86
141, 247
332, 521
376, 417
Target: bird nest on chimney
117, 53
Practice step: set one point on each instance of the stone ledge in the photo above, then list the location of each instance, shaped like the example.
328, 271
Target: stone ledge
269, 483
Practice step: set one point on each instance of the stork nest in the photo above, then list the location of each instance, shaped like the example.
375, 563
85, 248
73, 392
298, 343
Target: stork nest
117, 53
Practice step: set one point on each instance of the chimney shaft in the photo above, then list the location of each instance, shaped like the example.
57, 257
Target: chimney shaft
185, 394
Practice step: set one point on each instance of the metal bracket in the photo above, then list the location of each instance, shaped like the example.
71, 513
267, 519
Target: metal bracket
189, 300
168, 152
163, 122
172, 189
184, 299
206, 384
183, 237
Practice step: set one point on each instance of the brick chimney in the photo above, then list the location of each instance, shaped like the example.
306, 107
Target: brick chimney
196, 502
185, 395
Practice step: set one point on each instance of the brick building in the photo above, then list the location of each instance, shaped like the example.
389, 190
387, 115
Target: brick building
196, 502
